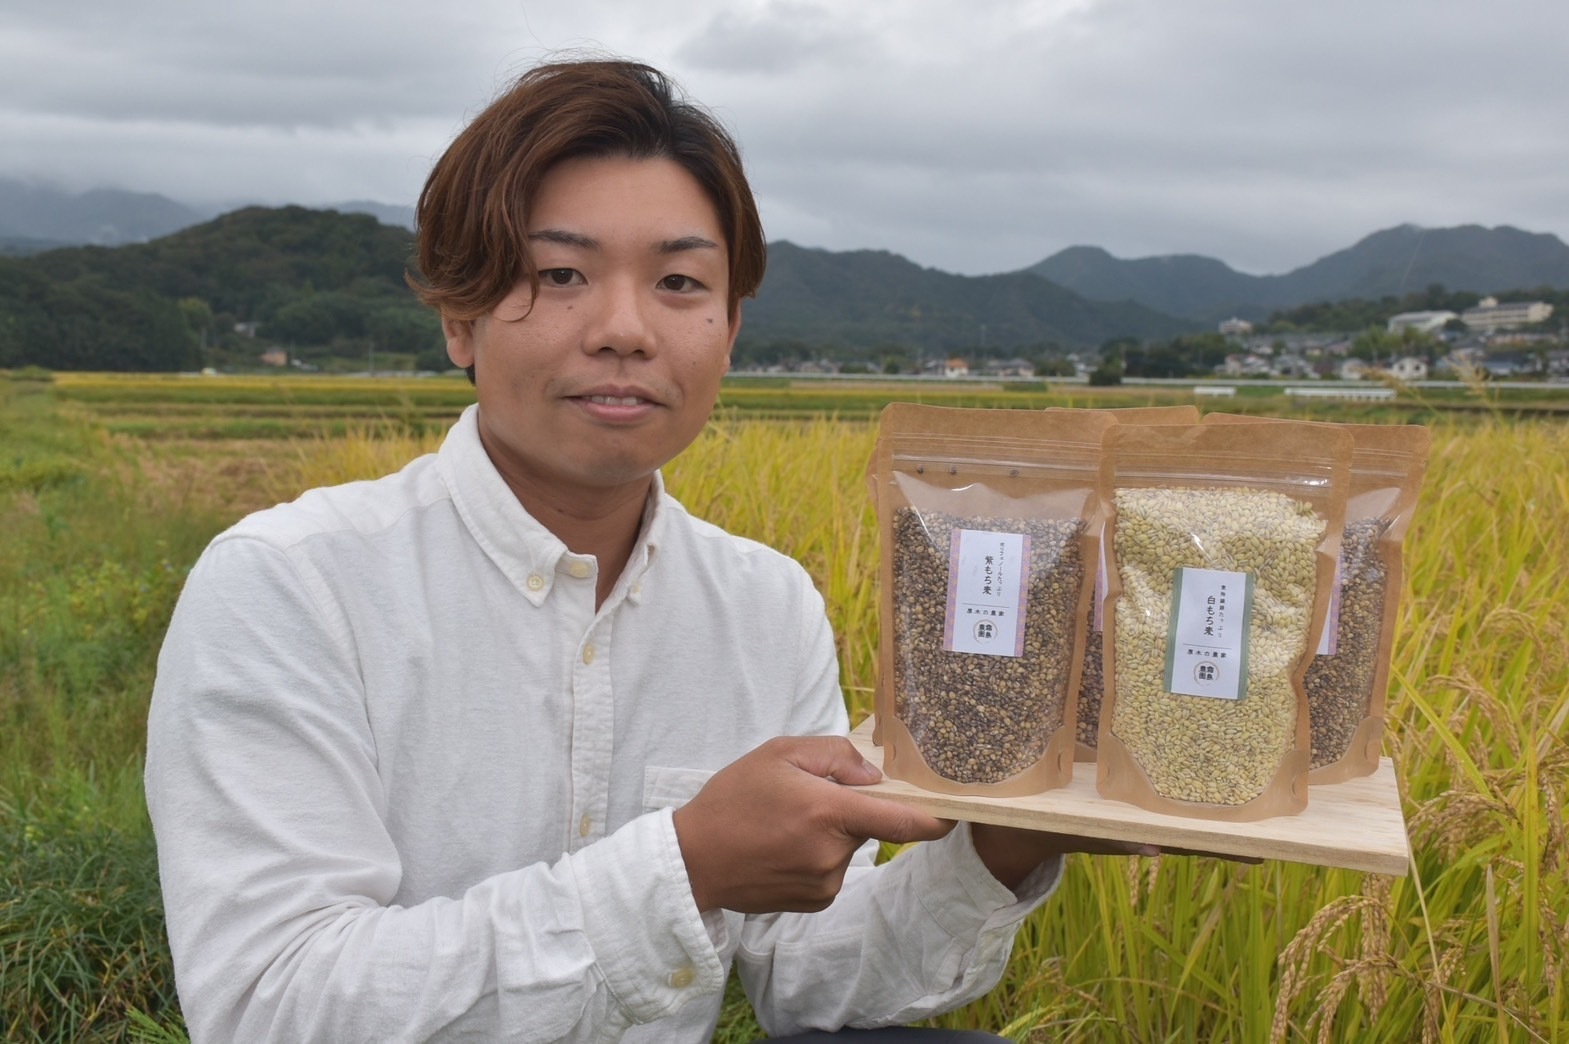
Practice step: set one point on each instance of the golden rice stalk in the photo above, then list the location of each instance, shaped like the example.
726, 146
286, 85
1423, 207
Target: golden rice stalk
1454, 820
1552, 811
1295, 958
1328, 1002
1433, 992
1375, 942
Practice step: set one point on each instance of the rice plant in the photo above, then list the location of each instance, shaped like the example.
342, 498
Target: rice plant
1471, 946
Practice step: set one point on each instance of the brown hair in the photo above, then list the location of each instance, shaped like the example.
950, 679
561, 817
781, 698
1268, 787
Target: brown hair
472, 214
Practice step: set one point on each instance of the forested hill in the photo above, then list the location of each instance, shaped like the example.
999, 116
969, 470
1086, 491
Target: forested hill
242, 260
322, 284
866, 303
305, 277
328, 287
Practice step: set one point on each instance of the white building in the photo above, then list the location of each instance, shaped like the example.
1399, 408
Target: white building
1489, 315
1408, 368
1421, 322
1235, 327
1244, 365
1354, 370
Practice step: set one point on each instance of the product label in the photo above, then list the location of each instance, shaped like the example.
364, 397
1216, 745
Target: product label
1207, 644
1329, 641
988, 581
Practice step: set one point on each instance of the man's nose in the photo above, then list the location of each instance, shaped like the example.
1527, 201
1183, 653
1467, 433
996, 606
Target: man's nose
621, 320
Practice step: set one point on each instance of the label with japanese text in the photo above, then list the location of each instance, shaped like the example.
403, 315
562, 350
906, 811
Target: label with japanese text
988, 581
1207, 645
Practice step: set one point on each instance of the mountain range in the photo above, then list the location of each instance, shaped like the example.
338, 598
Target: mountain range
865, 304
41, 217
853, 302
1391, 263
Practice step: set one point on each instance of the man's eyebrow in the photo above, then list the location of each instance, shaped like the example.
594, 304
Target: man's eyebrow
679, 245
565, 238
685, 243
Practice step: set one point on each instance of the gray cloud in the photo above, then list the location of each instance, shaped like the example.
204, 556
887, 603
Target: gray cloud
977, 139
779, 37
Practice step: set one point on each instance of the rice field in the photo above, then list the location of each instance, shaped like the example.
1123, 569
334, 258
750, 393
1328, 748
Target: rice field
109, 487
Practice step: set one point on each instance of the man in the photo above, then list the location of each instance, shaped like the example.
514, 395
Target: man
507, 745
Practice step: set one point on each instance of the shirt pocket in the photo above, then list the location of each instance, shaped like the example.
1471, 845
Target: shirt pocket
665, 787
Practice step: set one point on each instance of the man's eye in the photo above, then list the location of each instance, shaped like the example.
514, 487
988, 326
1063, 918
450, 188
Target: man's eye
679, 283
560, 276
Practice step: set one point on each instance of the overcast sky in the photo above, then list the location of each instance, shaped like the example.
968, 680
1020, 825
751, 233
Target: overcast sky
974, 137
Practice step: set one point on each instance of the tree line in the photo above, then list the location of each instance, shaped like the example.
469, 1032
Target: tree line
317, 284
329, 290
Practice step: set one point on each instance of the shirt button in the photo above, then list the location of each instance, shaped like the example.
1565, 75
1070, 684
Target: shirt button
584, 826
535, 582
588, 654
681, 978
578, 569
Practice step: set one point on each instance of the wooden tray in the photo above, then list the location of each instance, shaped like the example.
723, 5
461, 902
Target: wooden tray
1356, 825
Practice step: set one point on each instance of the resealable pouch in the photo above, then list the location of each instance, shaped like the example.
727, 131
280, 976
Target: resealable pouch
1223, 547
1347, 683
988, 521
1092, 675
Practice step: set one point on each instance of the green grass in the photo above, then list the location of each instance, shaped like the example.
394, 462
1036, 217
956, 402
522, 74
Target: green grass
81, 930
89, 569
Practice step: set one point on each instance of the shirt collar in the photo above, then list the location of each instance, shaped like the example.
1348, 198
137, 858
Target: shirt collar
525, 551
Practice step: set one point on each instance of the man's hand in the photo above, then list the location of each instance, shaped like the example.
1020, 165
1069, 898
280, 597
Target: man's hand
775, 829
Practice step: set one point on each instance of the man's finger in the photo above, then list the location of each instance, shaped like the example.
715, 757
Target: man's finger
863, 816
830, 757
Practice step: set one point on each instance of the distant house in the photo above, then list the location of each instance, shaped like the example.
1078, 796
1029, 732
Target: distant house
956, 367
1354, 370
1248, 364
1507, 365
1290, 365
1489, 315
1235, 327
1463, 360
1408, 368
274, 357
1421, 322
1008, 368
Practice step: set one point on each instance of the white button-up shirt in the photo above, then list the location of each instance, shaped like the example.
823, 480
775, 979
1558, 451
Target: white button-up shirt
408, 783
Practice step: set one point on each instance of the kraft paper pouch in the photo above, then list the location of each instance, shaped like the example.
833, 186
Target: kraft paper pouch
1223, 546
1092, 677
989, 520
1348, 682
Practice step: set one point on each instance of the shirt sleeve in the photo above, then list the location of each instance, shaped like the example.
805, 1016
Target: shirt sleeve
279, 873
927, 932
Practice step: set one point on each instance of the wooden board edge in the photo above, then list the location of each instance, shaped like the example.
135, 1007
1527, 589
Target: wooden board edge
1360, 851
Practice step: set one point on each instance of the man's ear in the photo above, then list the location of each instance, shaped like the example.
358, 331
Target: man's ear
460, 340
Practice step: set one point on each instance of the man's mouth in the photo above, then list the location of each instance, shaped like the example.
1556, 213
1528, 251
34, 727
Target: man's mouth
615, 400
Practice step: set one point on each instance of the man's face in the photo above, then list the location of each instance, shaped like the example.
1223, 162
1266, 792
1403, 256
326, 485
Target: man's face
616, 367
